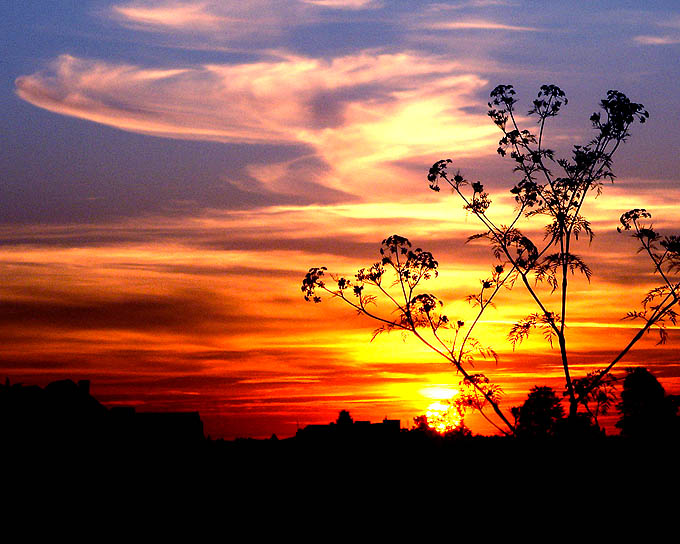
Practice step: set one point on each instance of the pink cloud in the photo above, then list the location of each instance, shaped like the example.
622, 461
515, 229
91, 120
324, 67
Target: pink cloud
345, 4
479, 25
657, 40
358, 111
210, 24
174, 15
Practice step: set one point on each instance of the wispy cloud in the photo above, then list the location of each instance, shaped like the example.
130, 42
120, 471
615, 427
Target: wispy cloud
357, 111
257, 102
478, 25
345, 4
657, 40
171, 15
671, 37
467, 4
671, 22
212, 23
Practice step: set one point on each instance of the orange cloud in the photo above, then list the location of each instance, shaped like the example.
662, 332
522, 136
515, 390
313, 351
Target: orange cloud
212, 304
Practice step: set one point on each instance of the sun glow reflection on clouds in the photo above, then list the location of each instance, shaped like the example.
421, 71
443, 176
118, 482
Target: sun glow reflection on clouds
345, 4
263, 101
369, 93
439, 392
175, 15
274, 101
478, 25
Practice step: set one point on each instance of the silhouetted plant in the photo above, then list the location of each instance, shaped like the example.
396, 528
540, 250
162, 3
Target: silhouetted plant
596, 394
421, 424
389, 291
559, 199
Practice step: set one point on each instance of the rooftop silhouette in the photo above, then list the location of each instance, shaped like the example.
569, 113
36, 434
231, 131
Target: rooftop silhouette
347, 430
64, 413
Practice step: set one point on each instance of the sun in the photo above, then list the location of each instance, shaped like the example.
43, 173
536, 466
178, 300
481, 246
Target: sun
442, 414
443, 417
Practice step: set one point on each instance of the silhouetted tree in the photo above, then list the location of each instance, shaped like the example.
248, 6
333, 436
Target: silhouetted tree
551, 188
645, 409
540, 415
421, 425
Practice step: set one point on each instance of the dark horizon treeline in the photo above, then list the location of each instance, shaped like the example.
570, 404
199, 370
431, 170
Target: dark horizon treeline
645, 411
63, 414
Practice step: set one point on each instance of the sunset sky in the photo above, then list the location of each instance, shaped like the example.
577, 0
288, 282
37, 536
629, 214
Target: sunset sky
171, 170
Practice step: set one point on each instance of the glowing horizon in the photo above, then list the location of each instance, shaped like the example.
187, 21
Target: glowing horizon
174, 168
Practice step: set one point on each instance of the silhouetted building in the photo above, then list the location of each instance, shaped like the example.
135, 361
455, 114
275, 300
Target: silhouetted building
64, 413
347, 430
393, 424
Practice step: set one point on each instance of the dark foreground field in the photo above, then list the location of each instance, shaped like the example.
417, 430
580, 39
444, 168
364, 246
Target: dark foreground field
293, 487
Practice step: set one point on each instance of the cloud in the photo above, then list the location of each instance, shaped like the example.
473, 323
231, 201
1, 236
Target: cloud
478, 25
357, 111
185, 314
345, 4
657, 40
212, 24
259, 102
470, 4
170, 15
671, 22
667, 38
